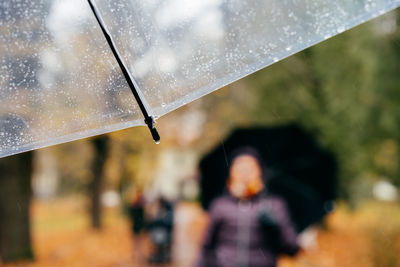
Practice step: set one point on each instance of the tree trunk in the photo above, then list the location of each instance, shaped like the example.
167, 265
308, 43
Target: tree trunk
100, 145
15, 197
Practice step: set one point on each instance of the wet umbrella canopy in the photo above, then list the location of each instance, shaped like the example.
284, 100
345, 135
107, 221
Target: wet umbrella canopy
298, 170
59, 77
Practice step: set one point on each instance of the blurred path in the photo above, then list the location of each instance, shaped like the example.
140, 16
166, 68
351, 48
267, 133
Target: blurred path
191, 222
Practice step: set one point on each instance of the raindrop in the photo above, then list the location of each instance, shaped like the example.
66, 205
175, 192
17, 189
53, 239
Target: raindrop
341, 29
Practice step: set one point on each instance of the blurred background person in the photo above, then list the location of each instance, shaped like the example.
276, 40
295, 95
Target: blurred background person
247, 226
161, 230
137, 217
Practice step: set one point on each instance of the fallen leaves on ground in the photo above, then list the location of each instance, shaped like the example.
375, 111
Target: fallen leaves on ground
366, 237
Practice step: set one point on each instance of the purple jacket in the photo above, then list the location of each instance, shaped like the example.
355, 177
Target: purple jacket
239, 234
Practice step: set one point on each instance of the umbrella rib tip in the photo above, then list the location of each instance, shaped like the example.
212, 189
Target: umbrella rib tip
154, 133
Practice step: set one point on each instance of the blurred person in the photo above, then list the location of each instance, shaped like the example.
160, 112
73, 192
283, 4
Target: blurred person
161, 231
247, 226
137, 216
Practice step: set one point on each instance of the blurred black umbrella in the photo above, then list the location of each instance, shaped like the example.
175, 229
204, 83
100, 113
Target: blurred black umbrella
299, 170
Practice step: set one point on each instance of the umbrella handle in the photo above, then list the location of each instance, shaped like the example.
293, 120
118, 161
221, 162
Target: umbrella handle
140, 99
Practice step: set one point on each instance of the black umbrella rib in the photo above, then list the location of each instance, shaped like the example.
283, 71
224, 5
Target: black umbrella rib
144, 107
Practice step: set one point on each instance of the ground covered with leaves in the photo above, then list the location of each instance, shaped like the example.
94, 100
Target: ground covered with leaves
368, 236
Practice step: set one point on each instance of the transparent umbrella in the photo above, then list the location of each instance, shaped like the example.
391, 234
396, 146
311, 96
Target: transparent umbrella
59, 80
